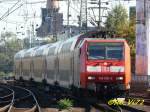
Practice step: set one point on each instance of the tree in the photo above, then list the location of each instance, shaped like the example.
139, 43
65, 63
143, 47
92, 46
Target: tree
117, 21
8, 50
131, 35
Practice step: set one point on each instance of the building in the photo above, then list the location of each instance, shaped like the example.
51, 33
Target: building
52, 20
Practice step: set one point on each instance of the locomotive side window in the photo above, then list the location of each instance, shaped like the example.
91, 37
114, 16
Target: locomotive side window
105, 51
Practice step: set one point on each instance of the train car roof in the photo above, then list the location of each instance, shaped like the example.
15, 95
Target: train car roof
53, 48
30, 52
19, 54
42, 50
71, 40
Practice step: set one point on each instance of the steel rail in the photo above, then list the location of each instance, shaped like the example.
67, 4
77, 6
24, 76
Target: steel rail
106, 107
17, 99
6, 96
12, 100
37, 104
31, 93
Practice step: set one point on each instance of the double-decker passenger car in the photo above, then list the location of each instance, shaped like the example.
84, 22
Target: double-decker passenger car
86, 62
18, 63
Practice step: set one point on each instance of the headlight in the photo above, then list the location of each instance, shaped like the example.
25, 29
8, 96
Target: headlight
119, 78
117, 68
91, 78
93, 68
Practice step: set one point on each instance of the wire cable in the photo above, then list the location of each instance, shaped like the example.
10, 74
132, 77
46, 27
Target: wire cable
7, 12
11, 12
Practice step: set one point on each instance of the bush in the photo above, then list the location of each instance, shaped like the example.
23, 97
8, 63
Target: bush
2, 74
10, 74
65, 104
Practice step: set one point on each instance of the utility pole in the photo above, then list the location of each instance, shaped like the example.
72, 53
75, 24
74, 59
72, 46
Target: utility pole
99, 23
68, 15
100, 8
86, 15
83, 16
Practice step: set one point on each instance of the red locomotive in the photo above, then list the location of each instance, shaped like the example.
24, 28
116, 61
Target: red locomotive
86, 62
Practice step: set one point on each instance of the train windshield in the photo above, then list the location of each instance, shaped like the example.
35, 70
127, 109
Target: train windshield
105, 51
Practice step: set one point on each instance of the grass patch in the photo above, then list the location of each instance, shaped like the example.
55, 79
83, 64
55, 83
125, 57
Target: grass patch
65, 104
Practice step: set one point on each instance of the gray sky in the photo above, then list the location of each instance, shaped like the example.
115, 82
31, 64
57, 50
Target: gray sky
18, 18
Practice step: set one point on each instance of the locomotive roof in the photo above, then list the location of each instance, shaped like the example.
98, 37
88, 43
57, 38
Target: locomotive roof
113, 39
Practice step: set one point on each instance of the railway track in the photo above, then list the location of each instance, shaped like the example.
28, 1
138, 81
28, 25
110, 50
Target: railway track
145, 98
21, 98
104, 107
6, 98
50, 99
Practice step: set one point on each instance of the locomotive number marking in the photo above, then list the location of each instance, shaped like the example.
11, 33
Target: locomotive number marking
105, 69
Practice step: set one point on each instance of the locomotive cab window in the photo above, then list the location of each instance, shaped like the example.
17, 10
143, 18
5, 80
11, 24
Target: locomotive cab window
105, 51
114, 52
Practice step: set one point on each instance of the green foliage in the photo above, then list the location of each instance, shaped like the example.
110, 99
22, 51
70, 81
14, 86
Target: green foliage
132, 36
7, 35
4, 61
117, 21
8, 50
65, 104
2, 74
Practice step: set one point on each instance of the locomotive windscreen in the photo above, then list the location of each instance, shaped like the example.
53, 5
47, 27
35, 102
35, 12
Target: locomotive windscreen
105, 51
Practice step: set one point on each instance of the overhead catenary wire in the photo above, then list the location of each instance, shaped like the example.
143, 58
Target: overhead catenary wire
11, 12
7, 12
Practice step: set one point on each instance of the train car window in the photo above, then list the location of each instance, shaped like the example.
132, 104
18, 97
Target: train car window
105, 51
27, 54
39, 52
51, 51
66, 47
